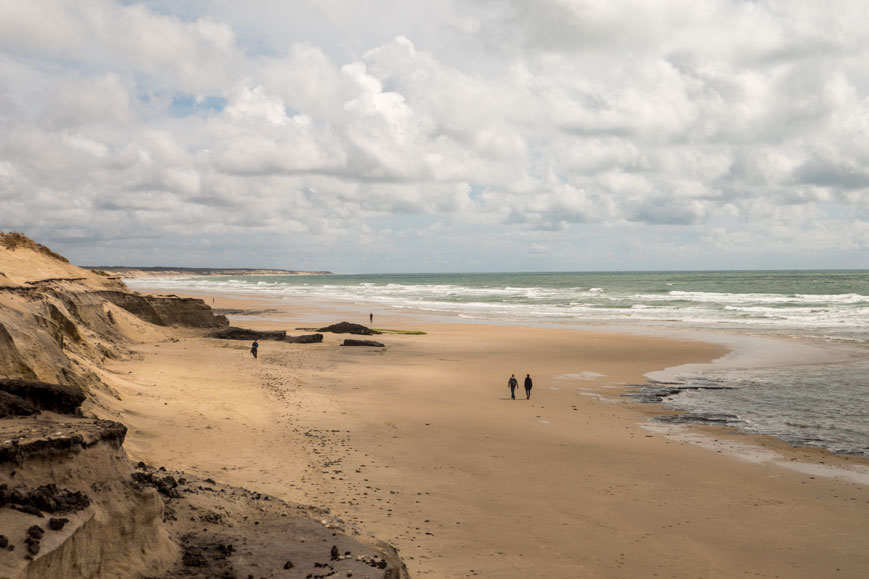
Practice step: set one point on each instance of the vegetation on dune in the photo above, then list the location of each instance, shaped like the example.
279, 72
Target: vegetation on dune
16, 239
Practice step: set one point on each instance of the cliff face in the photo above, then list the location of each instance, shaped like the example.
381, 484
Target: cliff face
68, 504
91, 519
167, 310
71, 503
57, 319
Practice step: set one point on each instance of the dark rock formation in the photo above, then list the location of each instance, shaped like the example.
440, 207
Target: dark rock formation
656, 392
14, 406
42, 442
167, 310
349, 328
32, 545
305, 339
165, 485
45, 396
233, 333
44, 499
709, 418
193, 557
372, 343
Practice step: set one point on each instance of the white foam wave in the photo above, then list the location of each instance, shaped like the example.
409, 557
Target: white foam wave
843, 315
730, 298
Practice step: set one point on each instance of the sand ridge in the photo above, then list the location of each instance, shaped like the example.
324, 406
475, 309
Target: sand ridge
420, 444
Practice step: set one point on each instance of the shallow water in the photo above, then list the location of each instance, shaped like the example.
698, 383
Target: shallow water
825, 405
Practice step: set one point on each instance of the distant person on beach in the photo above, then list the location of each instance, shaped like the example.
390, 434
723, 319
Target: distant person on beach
528, 385
512, 384
371, 318
254, 347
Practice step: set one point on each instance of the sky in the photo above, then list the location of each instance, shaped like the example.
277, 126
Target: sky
448, 136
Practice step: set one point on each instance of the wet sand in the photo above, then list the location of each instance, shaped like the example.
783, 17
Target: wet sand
420, 444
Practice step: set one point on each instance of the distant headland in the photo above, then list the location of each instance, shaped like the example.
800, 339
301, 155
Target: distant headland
164, 271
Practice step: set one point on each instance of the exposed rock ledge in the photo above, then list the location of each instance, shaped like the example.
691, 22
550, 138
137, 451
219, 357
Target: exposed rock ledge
234, 333
349, 328
167, 310
369, 343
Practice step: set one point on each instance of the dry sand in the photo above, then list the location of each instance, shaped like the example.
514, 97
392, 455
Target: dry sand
420, 444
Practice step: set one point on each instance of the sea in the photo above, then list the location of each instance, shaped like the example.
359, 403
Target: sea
810, 388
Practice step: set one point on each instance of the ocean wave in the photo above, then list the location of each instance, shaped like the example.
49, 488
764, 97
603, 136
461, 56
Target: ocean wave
526, 298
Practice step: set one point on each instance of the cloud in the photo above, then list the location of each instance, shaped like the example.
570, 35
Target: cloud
73, 101
548, 121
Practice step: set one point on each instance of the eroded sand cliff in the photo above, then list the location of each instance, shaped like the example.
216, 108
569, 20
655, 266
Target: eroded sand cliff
72, 504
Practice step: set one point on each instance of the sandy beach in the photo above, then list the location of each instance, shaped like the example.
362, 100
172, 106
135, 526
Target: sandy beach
659, 212
420, 444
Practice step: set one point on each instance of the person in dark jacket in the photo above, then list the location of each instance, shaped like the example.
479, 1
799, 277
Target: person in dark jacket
253, 348
528, 385
512, 384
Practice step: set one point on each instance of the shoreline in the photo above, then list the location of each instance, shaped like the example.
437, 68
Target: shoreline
741, 352
747, 350
418, 444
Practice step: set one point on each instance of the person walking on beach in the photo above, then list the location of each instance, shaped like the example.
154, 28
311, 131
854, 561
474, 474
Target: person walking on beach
371, 318
512, 384
528, 385
253, 348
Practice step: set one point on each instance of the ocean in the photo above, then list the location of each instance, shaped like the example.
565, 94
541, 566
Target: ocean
818, 404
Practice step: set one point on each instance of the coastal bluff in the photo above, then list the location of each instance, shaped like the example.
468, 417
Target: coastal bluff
72, 503
59, 321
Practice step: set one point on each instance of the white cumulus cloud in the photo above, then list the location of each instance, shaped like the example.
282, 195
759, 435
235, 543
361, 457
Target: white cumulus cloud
415, 135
